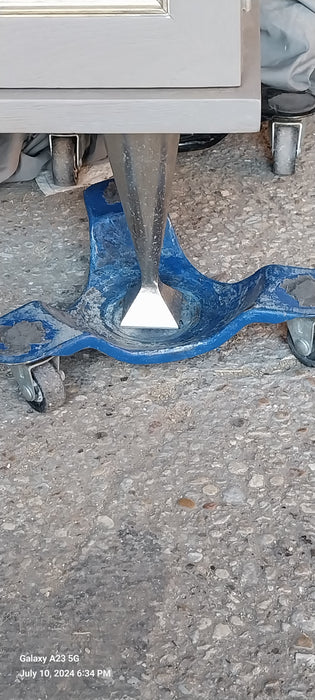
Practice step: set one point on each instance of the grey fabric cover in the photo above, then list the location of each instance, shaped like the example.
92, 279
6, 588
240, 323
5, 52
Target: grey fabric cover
22, 156
288, 44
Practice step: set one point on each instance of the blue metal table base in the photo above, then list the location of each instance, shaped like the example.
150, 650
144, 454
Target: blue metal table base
212, 311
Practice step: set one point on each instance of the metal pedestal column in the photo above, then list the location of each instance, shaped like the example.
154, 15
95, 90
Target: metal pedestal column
143, 167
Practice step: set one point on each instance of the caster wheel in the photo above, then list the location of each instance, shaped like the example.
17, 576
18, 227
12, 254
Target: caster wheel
49, 388
198, 142
285, 148
307, 360
64, 160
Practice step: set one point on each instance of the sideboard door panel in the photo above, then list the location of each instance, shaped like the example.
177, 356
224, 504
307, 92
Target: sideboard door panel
120, 43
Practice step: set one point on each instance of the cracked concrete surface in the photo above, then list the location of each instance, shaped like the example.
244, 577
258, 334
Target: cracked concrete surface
160, 525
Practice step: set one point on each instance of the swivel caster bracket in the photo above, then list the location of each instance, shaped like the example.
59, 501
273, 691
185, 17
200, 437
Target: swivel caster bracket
41, 383
24, 377
286, 112
302, 331
67, 152
286, 145
301, 340
285, 123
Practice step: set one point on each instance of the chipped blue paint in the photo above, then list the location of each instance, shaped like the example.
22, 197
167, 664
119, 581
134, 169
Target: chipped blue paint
212, 311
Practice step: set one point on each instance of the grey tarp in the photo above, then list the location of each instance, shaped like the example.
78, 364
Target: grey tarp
288, 44
22, 156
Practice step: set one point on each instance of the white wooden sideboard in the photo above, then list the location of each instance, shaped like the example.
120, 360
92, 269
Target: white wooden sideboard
116, 66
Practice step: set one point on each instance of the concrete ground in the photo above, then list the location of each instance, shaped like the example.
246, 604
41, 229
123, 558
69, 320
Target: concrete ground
100, 564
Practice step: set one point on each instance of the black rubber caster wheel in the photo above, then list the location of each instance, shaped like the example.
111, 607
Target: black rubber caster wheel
49, 388
307, 360
64, 160
285, 148
198, 142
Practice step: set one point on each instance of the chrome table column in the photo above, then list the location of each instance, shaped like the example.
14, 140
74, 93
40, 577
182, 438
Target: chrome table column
143, 167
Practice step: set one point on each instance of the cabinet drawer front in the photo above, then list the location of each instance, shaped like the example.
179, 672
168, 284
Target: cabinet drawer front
120, 43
